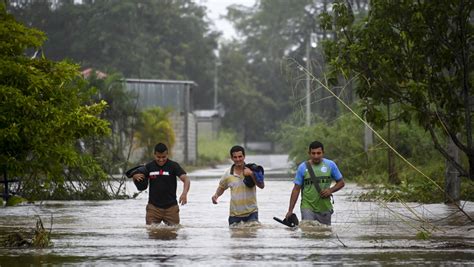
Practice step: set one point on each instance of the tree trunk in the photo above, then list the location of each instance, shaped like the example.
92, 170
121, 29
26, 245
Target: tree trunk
452, 177
471, 168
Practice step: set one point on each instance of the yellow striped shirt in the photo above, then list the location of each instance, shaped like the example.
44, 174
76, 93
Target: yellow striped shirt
243, 200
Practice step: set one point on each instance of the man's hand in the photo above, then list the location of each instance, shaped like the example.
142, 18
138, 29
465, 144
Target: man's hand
138, 177
288, 214
183, 199
248, 172
214, 199
326, 193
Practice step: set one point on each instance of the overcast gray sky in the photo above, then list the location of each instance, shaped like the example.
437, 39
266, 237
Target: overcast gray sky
216, 8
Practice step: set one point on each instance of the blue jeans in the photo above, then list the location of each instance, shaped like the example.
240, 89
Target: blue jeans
252, 217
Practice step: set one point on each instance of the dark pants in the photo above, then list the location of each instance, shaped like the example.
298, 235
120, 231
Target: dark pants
322, 217
253, 217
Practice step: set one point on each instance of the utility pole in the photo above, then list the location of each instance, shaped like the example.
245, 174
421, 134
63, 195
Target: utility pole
308, 84
216, 80
312, 43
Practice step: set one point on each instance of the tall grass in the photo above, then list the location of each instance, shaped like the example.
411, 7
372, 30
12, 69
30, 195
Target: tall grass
213, 151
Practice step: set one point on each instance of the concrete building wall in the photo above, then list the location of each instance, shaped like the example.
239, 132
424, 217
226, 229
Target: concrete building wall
192, 138
185, 148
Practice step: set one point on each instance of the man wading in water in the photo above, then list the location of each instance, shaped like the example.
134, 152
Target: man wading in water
161, 174
243, 193
316, 186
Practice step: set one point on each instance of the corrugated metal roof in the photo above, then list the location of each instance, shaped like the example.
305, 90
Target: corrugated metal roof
130, 80
206, 113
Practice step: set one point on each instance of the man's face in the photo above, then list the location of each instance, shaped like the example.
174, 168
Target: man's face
316, 155
238, 158
161, 158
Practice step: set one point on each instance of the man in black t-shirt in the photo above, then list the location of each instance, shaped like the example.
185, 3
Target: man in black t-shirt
161, 174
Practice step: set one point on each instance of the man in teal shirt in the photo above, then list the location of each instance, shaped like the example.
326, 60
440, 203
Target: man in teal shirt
315, 189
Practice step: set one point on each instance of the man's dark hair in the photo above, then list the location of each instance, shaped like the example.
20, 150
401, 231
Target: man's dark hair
316, 144
237, 149
160, 148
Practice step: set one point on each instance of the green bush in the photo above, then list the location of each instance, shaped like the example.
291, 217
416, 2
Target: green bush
342, 140
215, 151
15, 200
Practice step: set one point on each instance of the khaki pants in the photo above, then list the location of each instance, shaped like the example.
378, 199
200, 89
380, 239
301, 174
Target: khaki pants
169, 216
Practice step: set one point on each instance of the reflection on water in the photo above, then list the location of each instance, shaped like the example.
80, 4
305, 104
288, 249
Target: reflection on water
314, 229
162, 231
362, 233
244, 229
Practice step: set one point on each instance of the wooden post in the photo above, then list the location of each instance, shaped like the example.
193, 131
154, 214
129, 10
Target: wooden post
5, 185
452, 179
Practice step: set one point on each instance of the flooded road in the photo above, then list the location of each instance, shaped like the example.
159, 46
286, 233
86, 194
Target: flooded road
363, 233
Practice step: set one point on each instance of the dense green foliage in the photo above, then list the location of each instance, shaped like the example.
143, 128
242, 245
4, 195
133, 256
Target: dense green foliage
172, 40
417, 56
342, 142
139, 39
112, 150
45, 109
240, 97
275, 35
15, 200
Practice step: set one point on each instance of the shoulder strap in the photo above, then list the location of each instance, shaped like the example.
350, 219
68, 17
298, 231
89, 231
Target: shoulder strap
314, 179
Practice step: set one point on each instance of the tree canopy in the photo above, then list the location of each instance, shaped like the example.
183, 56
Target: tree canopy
139, 39
275, 36
417, 56
44, 109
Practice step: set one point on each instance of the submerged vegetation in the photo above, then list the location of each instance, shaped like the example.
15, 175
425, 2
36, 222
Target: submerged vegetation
35, 238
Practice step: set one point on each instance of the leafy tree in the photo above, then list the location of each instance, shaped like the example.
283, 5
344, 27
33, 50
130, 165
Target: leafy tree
273, 32
140, 39
113, 151
45, 108
270, 30
121, 109
246, 108
416, 55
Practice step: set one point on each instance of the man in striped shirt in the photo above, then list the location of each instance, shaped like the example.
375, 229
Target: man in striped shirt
243, 199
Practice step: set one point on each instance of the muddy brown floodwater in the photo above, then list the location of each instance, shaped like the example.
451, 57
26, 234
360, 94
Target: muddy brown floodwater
363, 233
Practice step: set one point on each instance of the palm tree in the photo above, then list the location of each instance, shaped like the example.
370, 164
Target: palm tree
154, 126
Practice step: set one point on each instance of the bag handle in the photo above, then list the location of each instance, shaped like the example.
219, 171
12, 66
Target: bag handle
314, 179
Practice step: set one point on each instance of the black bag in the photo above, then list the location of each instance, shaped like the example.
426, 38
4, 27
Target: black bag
143, 184
248, 181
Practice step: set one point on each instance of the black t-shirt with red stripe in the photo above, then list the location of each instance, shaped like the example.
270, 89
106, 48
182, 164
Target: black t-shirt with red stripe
163, 183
